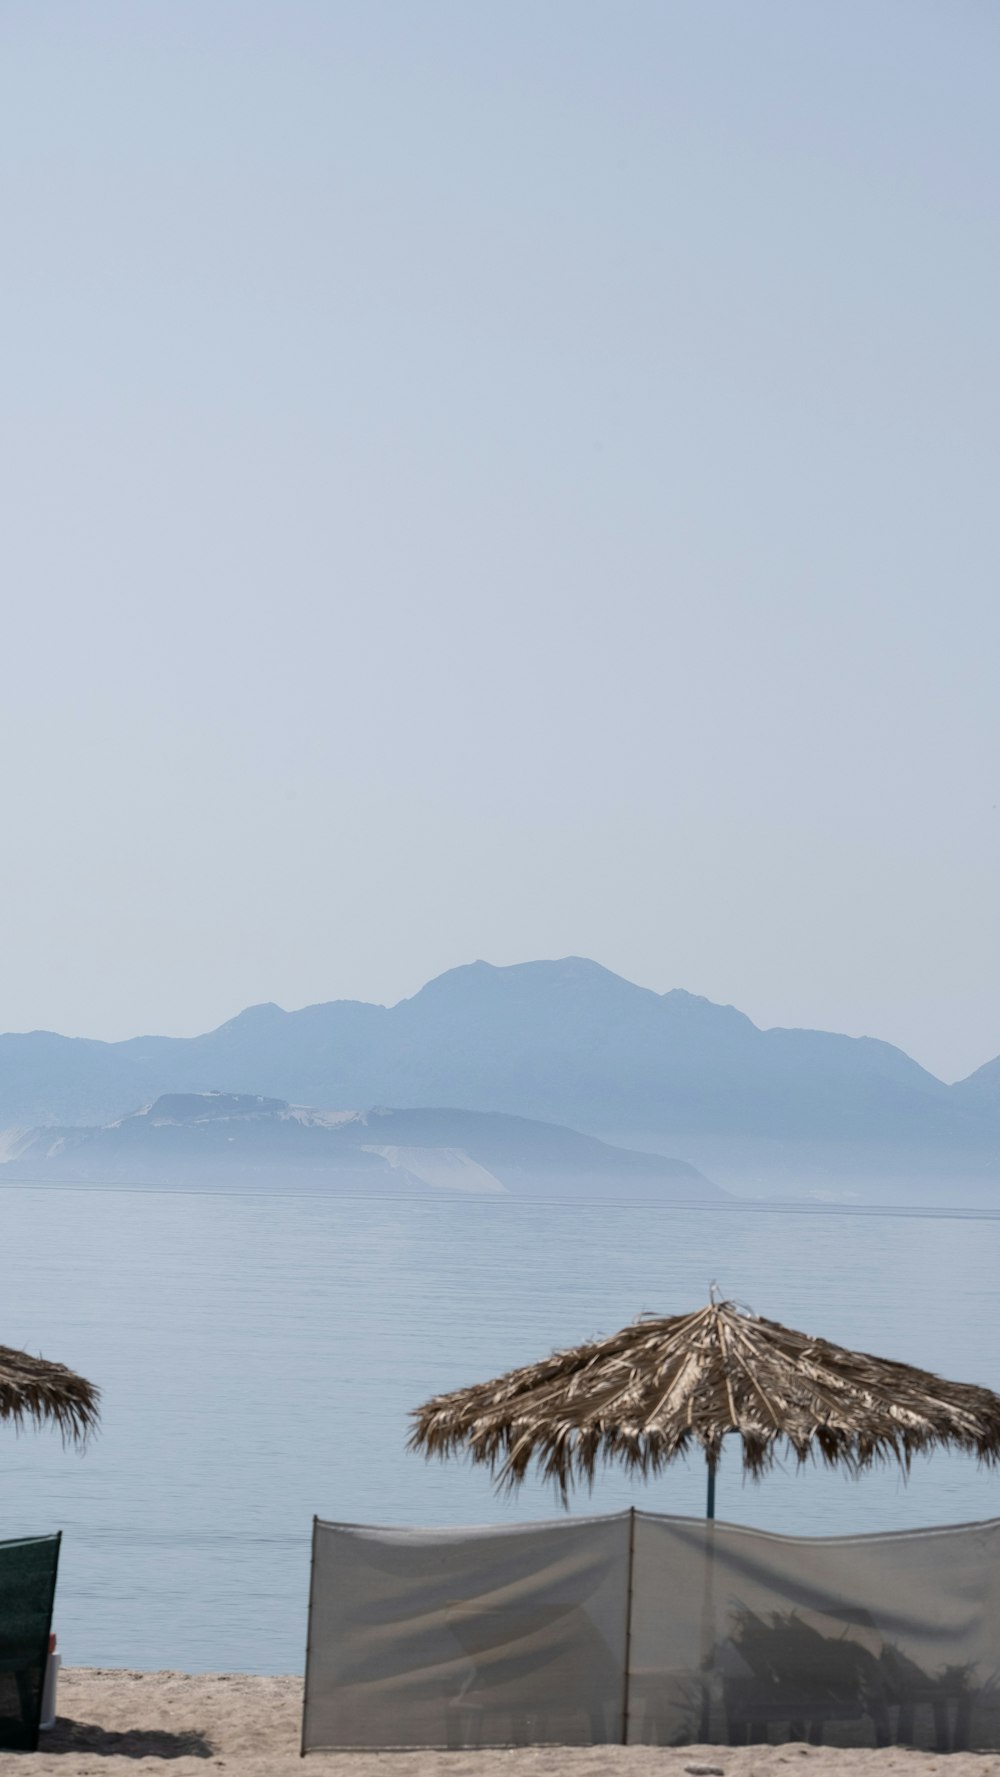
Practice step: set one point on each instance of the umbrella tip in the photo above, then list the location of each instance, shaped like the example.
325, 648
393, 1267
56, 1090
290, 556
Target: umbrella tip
718, 1300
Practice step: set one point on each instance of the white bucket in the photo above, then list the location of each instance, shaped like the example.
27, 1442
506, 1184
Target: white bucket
49, 1687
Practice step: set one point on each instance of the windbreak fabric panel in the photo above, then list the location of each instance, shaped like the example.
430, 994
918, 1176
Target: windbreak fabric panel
654, 1630
739, 1635
447, 1638
27, 1590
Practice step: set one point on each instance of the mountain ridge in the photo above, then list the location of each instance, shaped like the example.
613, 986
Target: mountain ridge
564, 1041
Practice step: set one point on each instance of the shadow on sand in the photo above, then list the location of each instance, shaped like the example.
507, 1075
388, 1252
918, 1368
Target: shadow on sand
84, 1736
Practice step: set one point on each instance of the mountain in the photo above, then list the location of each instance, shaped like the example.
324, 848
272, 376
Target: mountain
981, 1091
564, 1042
234, 1140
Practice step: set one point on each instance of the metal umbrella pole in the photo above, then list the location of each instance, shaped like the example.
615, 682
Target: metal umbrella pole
708, 1608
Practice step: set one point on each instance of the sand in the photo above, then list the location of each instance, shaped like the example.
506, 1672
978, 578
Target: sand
118, 1722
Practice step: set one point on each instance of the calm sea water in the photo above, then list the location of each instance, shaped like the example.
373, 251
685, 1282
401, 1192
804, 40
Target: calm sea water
258, 1356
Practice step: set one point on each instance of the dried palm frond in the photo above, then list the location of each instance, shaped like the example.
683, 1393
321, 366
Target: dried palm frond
662, 1387
33, 1389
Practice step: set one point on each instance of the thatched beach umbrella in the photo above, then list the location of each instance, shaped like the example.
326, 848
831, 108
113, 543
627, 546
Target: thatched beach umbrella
663, 1387
32, 1389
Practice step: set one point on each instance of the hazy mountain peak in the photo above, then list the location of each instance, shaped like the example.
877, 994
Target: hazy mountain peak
265, 1013
524, 980
459, 978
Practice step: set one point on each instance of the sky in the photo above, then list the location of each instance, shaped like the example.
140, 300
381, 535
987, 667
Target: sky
501, 481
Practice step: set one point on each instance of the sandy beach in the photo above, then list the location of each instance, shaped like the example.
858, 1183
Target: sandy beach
147, 1721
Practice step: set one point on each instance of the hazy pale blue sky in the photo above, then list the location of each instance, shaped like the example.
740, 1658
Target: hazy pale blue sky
501, 479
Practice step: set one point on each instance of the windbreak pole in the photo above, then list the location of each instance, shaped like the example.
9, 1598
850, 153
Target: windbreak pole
309, 1631
627, 1677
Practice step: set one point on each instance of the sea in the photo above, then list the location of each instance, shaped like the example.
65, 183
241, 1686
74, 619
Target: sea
259, 1354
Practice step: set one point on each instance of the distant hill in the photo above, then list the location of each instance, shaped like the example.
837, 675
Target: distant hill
234, 1140
981, 1091
564, 1042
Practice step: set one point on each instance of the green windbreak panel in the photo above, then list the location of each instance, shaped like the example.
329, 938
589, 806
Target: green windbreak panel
27, 1589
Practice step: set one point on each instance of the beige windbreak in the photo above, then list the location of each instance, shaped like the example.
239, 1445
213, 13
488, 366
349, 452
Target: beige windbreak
644, 1629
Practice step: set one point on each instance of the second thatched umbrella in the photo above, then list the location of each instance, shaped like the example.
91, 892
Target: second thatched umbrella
32, 1389
663, 1387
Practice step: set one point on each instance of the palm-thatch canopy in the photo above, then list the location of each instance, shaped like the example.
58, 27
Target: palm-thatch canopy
33, 1389
662, 1387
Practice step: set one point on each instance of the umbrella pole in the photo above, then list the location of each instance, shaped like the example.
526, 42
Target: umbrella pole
708, 1610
